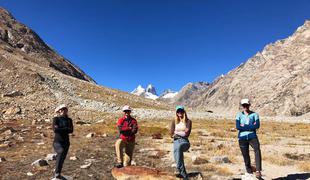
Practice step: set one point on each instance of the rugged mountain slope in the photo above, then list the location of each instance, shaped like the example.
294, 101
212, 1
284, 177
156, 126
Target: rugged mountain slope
189, 93
34, 79
275, 79
20, 37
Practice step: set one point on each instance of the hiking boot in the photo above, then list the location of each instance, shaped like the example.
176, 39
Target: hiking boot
177, 174
258, 175
119, 165
57, 177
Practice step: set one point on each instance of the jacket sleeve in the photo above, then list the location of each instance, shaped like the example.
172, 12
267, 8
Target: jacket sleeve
238, 125
121, 128
70, 128
250, 127
135, 127
256, 123
57, 129
189, 128
172, 128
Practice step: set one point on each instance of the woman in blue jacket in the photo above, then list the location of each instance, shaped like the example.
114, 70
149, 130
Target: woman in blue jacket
247, 122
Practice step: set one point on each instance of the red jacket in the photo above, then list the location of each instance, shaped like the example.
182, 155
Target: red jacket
128, 127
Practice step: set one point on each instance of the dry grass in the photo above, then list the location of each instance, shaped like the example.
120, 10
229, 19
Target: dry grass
223, 171
278, 160
304, 166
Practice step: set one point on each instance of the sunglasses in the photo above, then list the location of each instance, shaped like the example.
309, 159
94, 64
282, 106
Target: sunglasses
245, 105
180, 111
127, 111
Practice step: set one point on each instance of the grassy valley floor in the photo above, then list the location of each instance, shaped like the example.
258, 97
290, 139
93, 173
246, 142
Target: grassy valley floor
285, 149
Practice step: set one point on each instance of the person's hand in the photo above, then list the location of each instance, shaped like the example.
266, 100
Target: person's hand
255, 123
242, 125
186, 129
56, 126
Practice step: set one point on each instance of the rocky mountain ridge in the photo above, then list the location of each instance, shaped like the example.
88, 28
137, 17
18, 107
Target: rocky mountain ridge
276, 79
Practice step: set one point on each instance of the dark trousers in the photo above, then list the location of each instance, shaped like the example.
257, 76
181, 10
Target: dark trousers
244, 147
61, 148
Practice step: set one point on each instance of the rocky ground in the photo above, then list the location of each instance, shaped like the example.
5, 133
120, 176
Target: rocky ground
214, 152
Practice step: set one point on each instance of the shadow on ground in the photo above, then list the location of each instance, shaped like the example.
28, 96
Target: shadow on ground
302, 176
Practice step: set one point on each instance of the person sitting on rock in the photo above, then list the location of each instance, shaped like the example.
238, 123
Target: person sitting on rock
128, 127
180, 131
247, 122
62, 127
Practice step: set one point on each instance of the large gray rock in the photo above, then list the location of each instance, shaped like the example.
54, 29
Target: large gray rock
220, 159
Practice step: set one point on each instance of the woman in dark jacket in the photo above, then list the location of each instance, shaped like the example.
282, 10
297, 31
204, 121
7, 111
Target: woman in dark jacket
62, 127
180, 130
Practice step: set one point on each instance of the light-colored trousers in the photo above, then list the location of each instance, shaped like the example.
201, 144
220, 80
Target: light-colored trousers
124, 151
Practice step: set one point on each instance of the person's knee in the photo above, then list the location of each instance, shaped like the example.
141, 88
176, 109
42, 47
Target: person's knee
59, 150
118, 143
185, 146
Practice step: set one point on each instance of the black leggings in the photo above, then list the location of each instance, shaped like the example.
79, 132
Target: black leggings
61, 148
244, 147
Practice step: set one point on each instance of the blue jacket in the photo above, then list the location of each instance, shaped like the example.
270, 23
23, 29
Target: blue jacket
250, 122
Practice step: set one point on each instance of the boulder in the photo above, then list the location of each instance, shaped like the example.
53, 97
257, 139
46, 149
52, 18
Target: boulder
8, 132
86, 166
220, 159
73, 158
90, 135
50, 157
197, 160
2, 159
12, 110
233, 130
4, 145
40, 163
13, 94
157, 136
30, 174
82, 122
140, 173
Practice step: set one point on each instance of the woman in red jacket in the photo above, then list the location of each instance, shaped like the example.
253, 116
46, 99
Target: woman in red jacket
127, 127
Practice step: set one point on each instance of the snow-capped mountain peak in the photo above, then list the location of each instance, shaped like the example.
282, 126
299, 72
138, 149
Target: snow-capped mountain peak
149, 92
138, 91
151, 89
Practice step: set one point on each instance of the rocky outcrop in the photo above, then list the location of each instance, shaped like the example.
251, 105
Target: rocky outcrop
275, 79
30, 87
140, 173
19, 37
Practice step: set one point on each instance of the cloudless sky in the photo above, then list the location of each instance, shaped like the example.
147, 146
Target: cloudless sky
123, 43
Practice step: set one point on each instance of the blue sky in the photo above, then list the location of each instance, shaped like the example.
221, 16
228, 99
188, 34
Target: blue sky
123, 43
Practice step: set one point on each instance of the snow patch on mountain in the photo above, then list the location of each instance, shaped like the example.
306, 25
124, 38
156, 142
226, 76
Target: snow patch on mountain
138, 91
149, 92
168, 94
